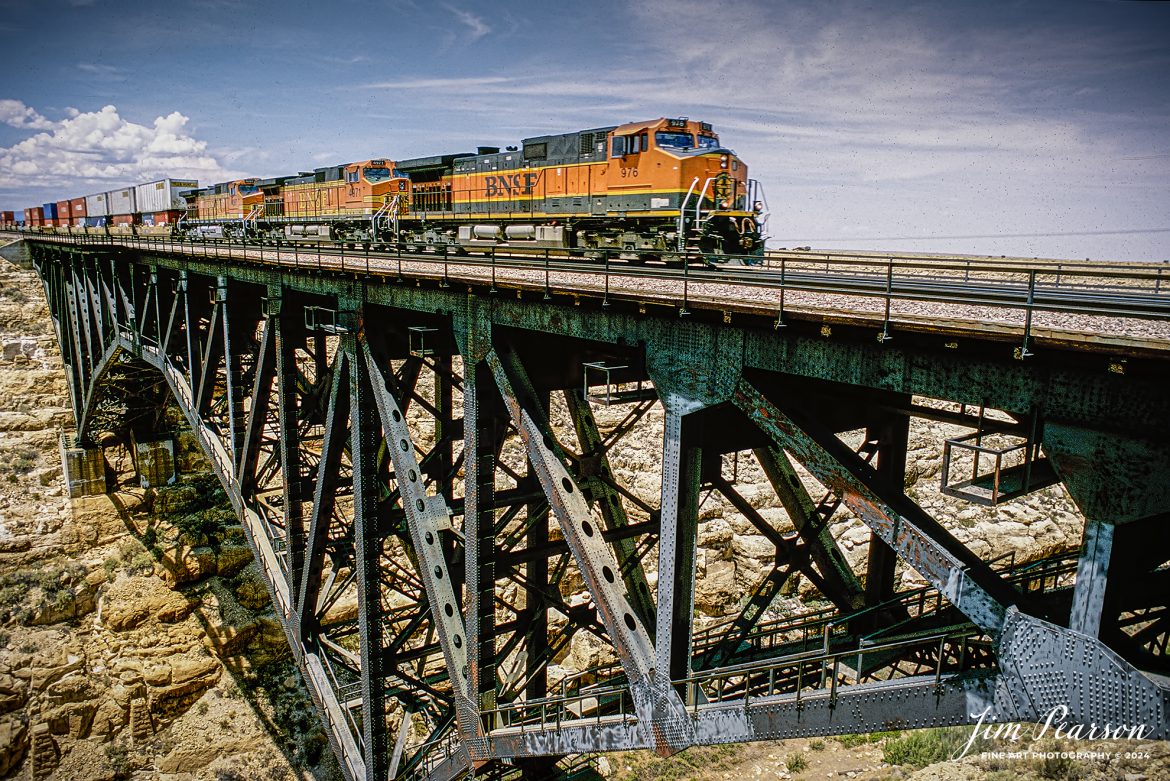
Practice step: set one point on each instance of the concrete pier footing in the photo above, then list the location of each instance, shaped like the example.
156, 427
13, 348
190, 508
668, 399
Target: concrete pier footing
84, 468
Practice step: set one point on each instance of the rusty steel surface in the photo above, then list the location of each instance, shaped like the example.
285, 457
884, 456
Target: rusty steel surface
386, 438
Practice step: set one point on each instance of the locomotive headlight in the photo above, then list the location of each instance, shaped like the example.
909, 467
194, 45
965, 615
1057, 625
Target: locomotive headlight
723, 161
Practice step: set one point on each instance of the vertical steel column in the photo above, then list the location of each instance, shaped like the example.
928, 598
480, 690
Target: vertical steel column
891, 434
366, 437
444, 428
234, 346
535, 607
479, 432
192, 357
1092, 577
288, 331
681, 474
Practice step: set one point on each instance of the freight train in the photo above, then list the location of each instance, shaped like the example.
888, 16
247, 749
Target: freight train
662, 189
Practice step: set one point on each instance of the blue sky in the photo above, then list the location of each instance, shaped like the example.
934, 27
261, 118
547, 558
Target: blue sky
1021, 128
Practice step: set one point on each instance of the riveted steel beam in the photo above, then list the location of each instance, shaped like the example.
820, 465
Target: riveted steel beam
965, 580
324, 494
597, 482
480, 448
426, 518
677, 541
257, 415
840, 585
659, 707
285, 334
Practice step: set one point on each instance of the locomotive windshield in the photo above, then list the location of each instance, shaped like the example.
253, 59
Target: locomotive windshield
708, 142
248, 189
668, 139
374, 175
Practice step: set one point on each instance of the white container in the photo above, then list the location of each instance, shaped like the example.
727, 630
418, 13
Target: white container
121, 201
96, 205
163, 195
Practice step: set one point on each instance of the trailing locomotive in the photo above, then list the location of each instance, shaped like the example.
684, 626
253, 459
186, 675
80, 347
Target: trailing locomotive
658, 189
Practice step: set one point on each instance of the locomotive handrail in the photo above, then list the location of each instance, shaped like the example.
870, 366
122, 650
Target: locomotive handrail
681, 241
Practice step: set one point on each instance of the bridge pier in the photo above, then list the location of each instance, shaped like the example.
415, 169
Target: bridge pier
84, 469
154, 461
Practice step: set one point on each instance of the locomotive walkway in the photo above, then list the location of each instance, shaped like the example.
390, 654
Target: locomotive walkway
382, 424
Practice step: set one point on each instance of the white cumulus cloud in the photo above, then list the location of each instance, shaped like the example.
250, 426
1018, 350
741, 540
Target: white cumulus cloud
16, 114
101, 148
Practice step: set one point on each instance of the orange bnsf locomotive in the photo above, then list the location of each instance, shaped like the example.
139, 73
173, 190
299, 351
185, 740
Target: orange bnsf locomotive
657, 189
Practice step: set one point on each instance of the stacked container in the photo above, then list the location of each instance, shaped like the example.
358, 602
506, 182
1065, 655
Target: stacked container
49, 214
77, 211
7, 218
122, 205
97, 210
64, 215
162, 202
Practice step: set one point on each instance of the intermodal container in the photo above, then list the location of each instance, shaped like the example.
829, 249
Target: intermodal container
64, 215
121, 202
8, 217
122, 219
77, 211
169, 217
95, 222
50, 211
96, 206
37, 215
163, 195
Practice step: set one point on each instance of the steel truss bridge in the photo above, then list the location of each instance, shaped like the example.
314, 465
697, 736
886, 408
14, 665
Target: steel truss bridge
385, 438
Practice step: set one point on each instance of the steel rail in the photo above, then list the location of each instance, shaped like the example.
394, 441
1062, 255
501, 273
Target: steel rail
1032, 295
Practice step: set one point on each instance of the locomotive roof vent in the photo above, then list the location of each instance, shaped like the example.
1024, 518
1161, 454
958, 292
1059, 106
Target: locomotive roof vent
487, 150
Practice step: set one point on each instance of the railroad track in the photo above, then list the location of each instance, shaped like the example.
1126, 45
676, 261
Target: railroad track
1125, 290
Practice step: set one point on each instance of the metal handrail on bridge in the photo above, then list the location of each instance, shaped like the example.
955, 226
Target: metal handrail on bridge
715, 684
1130, 291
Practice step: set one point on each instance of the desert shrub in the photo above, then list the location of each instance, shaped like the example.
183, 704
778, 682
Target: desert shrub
198, 508
851, 740
250, 592
920, 748
119, 757
796, 763
24, 460
23, 591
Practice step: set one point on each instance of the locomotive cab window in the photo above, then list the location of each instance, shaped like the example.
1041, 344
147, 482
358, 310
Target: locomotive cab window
708, 142
352, 177
248, 189
671, 139
376, 174
630, 145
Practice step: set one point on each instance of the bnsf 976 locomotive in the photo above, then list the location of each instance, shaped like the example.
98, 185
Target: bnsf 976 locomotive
657, 189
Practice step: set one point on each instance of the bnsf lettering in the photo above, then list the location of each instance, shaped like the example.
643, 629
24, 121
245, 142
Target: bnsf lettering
513, 184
